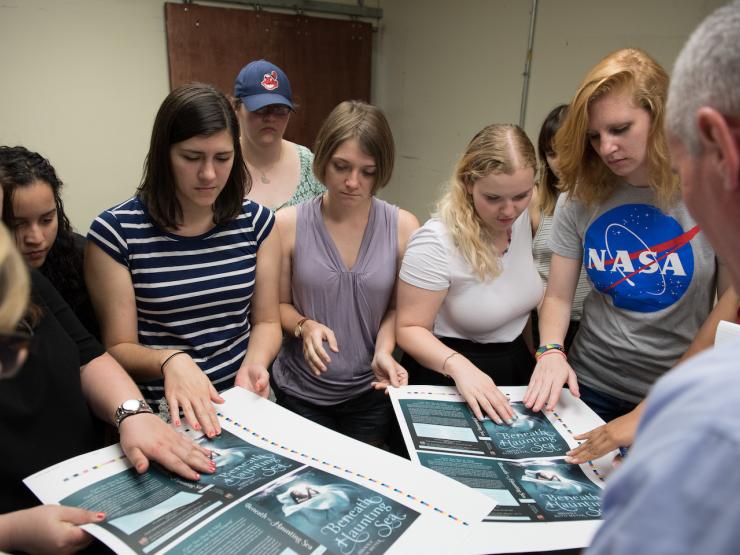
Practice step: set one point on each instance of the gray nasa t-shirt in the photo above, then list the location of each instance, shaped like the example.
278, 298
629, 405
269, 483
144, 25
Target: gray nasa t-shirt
653, 276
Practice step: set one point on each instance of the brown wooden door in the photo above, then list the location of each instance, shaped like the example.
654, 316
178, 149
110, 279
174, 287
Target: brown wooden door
326, 60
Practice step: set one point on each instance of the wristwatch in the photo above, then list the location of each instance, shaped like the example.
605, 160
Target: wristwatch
298, 330
129, 408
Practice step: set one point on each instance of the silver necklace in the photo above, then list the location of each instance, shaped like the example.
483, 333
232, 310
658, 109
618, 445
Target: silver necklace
263, 174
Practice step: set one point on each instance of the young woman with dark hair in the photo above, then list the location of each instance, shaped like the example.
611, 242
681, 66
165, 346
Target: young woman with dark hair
184, 275
51, 371
34, 212
544, 199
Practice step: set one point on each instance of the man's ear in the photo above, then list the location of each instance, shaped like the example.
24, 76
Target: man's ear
720, 141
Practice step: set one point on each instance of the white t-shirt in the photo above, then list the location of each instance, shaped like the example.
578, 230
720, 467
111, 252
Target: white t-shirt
490, 311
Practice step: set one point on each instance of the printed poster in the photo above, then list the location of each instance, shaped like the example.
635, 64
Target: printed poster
283, 486
520, 467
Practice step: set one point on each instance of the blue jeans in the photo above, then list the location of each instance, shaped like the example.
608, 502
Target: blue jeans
606, 406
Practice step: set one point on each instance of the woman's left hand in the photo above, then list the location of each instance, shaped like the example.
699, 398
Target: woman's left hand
388, 372
255, 378
146, 437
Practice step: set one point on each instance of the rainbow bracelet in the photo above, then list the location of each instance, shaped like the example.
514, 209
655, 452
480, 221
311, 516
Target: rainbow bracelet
542, 349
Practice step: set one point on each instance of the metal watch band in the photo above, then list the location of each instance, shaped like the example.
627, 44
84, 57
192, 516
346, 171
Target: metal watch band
123, 412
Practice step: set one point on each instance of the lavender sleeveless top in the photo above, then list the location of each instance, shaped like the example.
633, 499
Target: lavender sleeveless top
351, 302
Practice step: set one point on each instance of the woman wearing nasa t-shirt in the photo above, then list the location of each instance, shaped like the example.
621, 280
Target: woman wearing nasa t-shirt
623, 222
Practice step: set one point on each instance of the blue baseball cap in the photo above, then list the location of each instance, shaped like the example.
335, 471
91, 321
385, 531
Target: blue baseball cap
261, 83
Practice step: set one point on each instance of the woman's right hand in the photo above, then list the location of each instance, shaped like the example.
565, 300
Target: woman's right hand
550, 374
49, 529
479, 391
187, 387
314, 334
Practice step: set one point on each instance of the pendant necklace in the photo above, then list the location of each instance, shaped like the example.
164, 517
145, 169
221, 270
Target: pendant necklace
508, 241
263, 174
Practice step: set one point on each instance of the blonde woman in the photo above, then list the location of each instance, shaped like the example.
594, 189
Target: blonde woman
622, 221
468, 281
14, 288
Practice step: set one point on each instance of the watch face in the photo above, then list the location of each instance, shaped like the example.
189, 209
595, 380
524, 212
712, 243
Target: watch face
131, 405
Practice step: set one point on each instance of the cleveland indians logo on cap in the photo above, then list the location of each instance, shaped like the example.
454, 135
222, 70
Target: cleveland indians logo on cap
270, 81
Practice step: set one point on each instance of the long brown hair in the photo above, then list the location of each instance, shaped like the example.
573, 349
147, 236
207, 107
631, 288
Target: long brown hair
584, 175
547, 180
188, 111
14, 283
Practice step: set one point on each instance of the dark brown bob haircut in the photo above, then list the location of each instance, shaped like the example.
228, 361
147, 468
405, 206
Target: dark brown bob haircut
188, 111
354, 119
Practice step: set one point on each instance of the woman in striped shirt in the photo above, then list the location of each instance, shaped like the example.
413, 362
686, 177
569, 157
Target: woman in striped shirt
184, 275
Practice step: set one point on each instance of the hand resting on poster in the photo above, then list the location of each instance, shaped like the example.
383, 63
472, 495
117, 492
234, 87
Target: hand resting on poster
187, 388
46, 529
387, 371
620, 432
550, 374
253, 377
479, 391
146, 437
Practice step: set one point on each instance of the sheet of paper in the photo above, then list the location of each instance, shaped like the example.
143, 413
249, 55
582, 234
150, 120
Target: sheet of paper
284, 486
727, 332
542, 503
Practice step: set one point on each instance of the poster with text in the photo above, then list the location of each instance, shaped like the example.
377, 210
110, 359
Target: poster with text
283, 486
521, 467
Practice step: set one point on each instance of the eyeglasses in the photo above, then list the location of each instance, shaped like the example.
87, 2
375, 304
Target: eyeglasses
273, 109
13, 349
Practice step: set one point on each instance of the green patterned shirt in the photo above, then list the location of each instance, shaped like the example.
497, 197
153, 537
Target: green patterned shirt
308, 186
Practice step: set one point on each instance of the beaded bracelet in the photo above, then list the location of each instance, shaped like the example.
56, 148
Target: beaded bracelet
542, 349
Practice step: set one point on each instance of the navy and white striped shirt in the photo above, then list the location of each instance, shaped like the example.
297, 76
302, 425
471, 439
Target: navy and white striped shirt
192, 293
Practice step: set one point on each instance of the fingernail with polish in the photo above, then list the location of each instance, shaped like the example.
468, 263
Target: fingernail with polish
509, 421
100, 516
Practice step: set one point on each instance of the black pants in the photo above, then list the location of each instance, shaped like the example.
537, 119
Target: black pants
506, 363
366, 417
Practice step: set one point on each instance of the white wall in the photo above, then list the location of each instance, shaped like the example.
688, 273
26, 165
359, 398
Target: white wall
81, 82
82, 79
446, 69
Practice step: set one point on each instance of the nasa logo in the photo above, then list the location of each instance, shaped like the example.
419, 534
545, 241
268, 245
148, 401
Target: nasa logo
270, 81
640, 257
